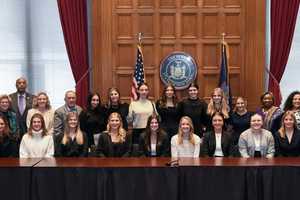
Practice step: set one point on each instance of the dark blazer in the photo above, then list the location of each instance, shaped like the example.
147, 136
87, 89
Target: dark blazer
21, 118
106, 148
9, 146
71, 148
209, 144
286, 149
162, 146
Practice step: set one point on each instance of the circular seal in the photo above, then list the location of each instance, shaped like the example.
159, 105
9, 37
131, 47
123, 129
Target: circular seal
179, 69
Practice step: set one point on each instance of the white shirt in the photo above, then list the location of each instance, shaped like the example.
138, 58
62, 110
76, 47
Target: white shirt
218, 150
48, 118
186, 149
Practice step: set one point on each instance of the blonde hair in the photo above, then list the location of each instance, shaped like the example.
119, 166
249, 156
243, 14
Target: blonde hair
282, 128
79, 134
121, 131
180, 133
242, 98
224, 109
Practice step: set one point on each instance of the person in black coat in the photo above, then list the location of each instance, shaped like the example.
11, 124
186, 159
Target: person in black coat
114, 104
154, 142
287, 139
218, 142
8, 143
167, 109
114, 142
93, 119
73, 142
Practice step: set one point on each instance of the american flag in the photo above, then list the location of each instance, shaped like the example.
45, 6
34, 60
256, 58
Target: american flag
139, 75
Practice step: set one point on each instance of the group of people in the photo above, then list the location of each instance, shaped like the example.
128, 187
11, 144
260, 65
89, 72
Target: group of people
30, 127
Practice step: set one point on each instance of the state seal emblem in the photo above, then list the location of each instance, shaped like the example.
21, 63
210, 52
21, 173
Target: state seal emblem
179, 69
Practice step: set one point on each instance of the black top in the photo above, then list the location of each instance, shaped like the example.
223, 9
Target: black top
286, 149
239, 123
169, 118
122, 109
162, 146
71, 148
92, 122
196, 109
9, 147
106, 148
208, 145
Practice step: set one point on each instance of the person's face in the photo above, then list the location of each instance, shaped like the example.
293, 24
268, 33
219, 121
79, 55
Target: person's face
185, 126
296, 101
193, 92
240, 105
154, 125
36, 124
169, 92
143, 91
70, 99
217, 97
4, 104
114, 97
95, 101
217, 122
288, 121
21, 85
73, 122
114, 123
267, 101
256, 122
2, 125
42, 101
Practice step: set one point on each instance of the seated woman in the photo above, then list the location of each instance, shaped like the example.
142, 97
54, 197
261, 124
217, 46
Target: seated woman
8, 143
218, 142
43, 107
114, 142
36, 143
73, 143
185, 143
10, 115
287, 139
256, 141
154, 141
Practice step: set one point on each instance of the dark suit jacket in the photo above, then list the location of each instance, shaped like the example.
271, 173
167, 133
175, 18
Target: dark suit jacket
21, 118
209, 144
286, 149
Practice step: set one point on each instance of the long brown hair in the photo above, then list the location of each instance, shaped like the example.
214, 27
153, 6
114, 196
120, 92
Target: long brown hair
39, 116
163, 100
121, 132
79, 135
282, 128
6, 130
180, 133
159, 131
211, 109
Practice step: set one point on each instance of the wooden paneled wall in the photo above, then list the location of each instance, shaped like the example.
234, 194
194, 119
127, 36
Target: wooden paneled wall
192, 26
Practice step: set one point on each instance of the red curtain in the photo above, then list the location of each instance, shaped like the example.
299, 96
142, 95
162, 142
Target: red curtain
283, 20
73, 17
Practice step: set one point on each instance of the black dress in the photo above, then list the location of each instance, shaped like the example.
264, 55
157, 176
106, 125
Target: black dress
286, 149
93, 122
239, 123
169, 118
122, 109
9, 146
71, 148
196, 109
106, 148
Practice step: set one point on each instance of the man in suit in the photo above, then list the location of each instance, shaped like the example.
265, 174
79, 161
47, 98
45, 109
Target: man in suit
21, 102
60, 114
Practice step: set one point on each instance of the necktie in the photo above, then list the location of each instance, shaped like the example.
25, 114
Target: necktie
21, 104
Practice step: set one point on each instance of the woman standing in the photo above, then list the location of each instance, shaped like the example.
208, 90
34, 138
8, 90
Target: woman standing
114, 104
93, 119
287, 139
218, 142
36, 143
185, 143
8, 143
114, 142
167, 110
292, 103
256, 141
9, 114
43, 107
73, 143
154, 141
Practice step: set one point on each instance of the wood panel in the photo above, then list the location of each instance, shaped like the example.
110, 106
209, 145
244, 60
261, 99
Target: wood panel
192, 26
